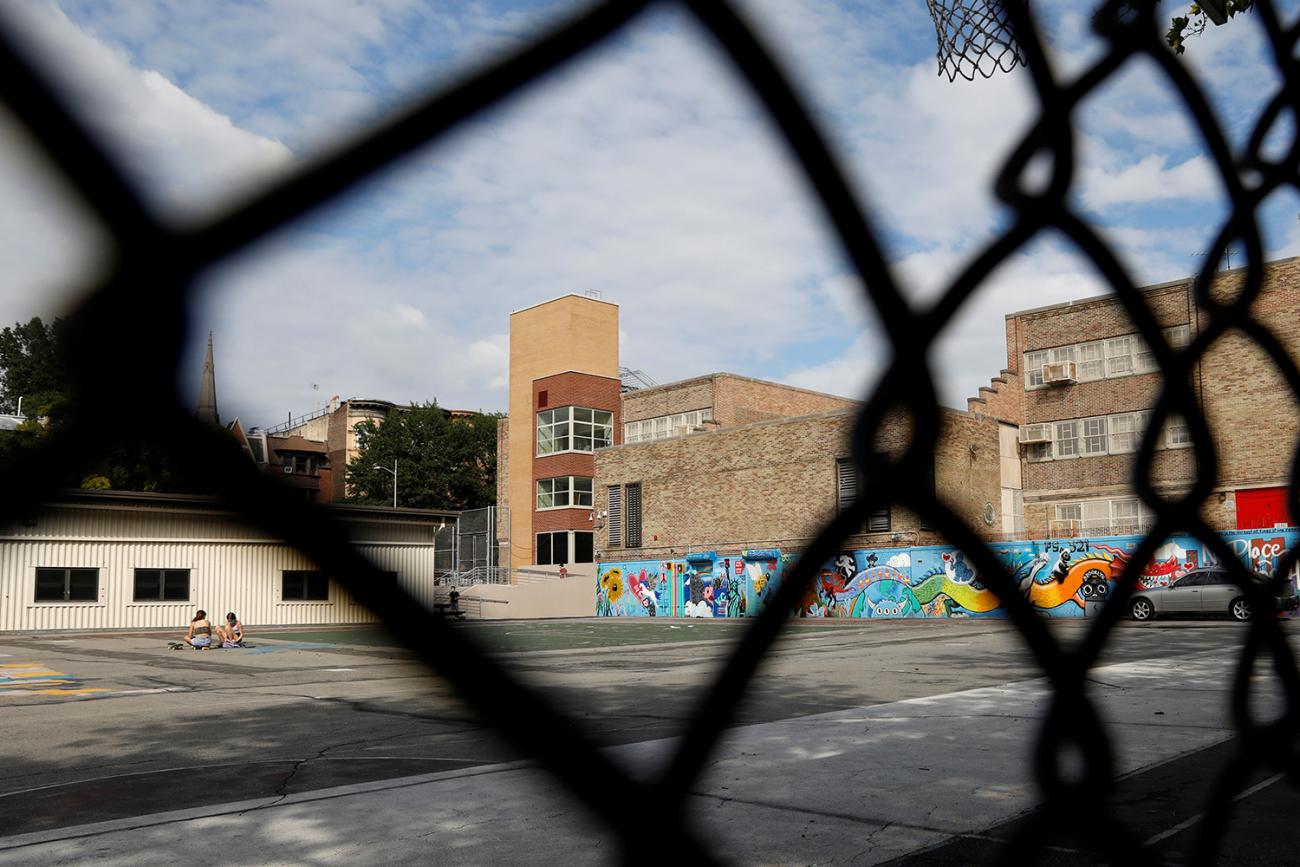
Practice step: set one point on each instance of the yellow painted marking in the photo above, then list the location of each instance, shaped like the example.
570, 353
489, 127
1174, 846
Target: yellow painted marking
42, 673
34, 685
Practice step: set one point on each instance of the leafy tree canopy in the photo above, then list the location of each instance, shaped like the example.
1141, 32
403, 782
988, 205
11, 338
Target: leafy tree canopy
442, 462
32, 368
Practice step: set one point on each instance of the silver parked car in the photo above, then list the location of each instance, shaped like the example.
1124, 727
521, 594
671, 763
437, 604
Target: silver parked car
1205, 591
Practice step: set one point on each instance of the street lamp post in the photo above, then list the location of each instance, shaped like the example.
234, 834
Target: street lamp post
393, 473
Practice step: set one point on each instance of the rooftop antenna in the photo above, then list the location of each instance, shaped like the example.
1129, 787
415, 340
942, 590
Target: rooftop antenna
1227, 255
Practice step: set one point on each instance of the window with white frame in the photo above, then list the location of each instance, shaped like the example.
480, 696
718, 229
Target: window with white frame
67, 585
1067, 439
1124, 432
1119, 356
573, 429
665, 427
1094, 436
1099, 359
1117, 517
1144, 360
1036, 452
1177, 433
564, 492
1092, 360
1034, 362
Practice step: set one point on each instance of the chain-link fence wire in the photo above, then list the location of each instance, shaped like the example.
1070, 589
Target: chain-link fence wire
150, 289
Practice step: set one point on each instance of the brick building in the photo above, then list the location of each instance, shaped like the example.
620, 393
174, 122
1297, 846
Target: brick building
1080, 383
720, 461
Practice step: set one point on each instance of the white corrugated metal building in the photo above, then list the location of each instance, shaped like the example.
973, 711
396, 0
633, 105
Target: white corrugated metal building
117, 560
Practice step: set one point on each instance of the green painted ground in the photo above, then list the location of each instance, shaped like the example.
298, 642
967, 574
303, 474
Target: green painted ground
566, 635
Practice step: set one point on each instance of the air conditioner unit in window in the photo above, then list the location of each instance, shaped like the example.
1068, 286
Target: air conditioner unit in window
1035, 433
1060, 372
1064, 529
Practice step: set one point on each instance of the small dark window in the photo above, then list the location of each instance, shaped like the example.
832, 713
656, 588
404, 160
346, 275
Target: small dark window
162, 585
848, 483
543, 551
304, 585
582, 547
553, 548
67, 585
542, 398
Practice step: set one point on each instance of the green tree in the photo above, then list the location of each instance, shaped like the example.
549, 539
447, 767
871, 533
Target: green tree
32, 367
442, 462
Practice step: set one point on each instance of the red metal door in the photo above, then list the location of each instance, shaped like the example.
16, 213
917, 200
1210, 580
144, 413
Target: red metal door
1261, 508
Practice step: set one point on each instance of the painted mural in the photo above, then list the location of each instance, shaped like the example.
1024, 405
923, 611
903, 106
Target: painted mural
1059, 578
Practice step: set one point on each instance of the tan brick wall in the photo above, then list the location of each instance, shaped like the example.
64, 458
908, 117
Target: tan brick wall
573, 333
503, 480
774, 483
1253, 417
740, 400
670, 399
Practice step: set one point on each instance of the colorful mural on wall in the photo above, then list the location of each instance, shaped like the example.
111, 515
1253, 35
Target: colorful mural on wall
1060, 578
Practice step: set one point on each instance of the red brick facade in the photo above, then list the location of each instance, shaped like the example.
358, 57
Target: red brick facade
561, 390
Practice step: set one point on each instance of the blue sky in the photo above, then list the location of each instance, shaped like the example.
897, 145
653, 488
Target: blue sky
644, 171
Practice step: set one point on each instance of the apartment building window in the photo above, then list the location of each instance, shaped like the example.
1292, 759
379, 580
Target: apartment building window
1117, 517
304, 585
564, 492
1178, 434
1119, 356
67, 585
614, 518
161, 585
554, 549
632, 514
573, 429
1092, 360
665, 427
1126, 431
848, 482
1034, 362
1100, 359
1067, 439
1100, 435
1094, 436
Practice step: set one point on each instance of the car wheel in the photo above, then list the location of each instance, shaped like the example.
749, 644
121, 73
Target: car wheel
1239, 609
1141, 609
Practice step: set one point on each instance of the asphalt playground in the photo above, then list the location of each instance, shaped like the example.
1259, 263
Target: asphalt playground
859, 742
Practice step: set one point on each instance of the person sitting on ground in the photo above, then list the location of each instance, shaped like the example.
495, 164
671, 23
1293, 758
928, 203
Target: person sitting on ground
232, 634
199, 634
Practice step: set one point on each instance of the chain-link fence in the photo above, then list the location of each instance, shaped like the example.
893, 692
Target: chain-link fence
151, 285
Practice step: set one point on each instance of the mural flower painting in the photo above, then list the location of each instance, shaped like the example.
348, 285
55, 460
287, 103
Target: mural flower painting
612, 583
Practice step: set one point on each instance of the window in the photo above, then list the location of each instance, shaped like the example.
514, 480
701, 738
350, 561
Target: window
552, 548
573, 429
1143, 358
1092, 360
1119, 356
67, 585
564, 492
300, 464
304, 585
162, 585
1127, 517
1094, 436
666, 427
632, 514
1179, 336
1069, 512
1067, 439
1125, 430
583, 547
1034, 362
615, 517
1062, 353
1177, 433
1096, 518
847, 484
1039, 452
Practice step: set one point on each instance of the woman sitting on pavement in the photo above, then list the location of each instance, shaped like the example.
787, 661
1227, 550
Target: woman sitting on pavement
200, 632
232, 634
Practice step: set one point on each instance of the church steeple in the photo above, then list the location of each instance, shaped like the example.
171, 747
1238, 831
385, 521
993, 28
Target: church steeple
208, 389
